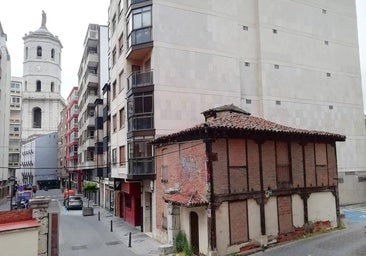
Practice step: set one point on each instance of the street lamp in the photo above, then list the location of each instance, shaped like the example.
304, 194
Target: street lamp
11, 181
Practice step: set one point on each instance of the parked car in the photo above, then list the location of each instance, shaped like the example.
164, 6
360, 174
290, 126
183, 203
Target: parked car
74, 202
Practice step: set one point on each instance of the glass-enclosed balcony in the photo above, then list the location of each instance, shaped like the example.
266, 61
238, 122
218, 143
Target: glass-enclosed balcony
139, 36
137, 79
141, 167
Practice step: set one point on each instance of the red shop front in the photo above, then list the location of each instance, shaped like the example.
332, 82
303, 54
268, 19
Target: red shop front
131, 202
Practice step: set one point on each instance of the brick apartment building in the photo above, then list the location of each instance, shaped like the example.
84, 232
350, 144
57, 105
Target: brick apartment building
237, 181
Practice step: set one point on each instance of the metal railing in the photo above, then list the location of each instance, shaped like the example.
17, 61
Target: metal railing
139, 78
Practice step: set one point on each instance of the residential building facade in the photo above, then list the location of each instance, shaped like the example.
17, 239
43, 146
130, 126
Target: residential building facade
15, 123
5, 71
289, 62
92, 75
72, 141
42, 102
237, 181
62, 174
39, 162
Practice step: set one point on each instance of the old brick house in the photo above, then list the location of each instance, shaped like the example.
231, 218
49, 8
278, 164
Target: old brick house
238, 180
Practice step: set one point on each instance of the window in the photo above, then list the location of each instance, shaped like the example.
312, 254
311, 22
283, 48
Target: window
122, 117
328, 74
142, 149
53, 54
248, 101
138, 26
52, 86
276, 66
324, 11
122, 156
278, 102
15, 99
120, 44
274, 31
245, 28
39, 51
120, 81
247, 64
326, 42
114, 156
114, 52
114, 120
38, 86
26, 53
140, 112
114, 89
114, 23
37, 118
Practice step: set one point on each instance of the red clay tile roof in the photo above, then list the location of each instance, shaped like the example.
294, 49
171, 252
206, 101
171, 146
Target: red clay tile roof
189, 200
232, 123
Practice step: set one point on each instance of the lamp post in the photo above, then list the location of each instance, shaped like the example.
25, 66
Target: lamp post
11, 180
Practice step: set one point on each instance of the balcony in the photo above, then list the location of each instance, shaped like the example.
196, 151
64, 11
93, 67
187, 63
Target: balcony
91, 80
92, 59
90, 142
141, 168
138, 79
139, 43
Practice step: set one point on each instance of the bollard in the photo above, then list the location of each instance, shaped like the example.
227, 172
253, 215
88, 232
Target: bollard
111, 225
129, 240
98, 216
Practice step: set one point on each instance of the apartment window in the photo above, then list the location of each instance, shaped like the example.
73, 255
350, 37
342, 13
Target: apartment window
326, 42
329, 74
274, 31
122, 117
122, 156
140, 112
247, 64
26, 53
39, 51
330, 107
120, 43
120, 8
245, 28
276, 66
324, 11
15, 99
120, 81
114, 121
114, 156
38, 86
114, 23
37, 118
52, 86
278, 102
138, 26
53, 54
248, 101
114, 89
114, 52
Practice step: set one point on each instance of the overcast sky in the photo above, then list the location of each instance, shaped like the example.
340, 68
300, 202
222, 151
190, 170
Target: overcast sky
69, 19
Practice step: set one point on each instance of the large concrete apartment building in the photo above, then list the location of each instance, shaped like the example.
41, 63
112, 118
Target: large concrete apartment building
5, 79
291, 62
92, 75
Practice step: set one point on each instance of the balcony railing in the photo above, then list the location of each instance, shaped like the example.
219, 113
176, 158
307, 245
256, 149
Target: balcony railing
139, 36
137, 79
141, 166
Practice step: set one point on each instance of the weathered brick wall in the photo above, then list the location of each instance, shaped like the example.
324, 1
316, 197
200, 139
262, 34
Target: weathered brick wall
220, 167
332, 165
310, 165
269, 165
15, 216
238, 177
253, 166
238, 222
297, 165
284, 205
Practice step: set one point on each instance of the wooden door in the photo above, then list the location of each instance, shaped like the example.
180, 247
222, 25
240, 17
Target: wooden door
194, 228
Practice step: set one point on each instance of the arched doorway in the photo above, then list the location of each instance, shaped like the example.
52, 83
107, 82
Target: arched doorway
194, 229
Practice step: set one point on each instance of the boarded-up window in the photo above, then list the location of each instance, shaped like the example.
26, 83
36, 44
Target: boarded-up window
321, 164
237, 166
238, 222
284, 205
253, 166
283, 165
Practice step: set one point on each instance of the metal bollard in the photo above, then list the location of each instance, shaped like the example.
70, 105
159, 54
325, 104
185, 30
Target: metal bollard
111, 225
98, 216
129, 240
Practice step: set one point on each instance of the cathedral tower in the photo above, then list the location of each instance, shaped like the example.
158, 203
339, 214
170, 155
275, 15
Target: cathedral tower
42, 101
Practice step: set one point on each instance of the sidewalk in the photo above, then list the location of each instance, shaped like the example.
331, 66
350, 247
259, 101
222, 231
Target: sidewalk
141, 244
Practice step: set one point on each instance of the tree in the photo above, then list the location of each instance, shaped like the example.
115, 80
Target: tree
90, 187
